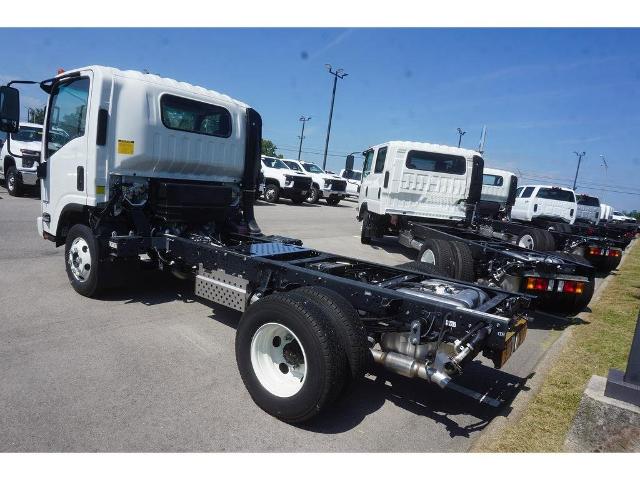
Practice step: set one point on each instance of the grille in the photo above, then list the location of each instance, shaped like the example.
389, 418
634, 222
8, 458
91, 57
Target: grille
303, 183
339, 185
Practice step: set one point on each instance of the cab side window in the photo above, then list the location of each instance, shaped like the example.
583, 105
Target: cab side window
368, 160
382, 155
527, 192
518, 191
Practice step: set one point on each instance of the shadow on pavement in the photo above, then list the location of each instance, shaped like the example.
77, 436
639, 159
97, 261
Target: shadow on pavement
548, 321
152, 288
423, 399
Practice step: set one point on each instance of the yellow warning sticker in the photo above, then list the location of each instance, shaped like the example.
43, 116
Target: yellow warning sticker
125, 147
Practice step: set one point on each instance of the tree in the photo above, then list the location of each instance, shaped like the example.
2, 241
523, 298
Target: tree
36, 115
269, 149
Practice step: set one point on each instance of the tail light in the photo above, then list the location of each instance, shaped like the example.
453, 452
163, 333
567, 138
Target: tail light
615, 253
594, 251
537, 284
569, 286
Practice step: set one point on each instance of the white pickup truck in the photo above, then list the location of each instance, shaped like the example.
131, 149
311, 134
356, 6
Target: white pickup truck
545, 201
19, 166
325, 185
280, 181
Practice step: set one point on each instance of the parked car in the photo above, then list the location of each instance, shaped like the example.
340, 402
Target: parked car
16, 171
325, 185
354, 180
545, 201
279, 181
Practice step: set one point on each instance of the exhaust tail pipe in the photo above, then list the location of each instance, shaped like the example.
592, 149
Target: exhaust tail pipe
411, 368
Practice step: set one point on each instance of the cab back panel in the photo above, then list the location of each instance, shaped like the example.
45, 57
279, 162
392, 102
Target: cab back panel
160, 152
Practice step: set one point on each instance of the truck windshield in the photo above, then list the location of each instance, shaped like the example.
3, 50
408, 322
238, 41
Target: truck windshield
556, 194
293, 166
588, 201
274, 163
312, 168
68, 116
352, 175
436, 162
28, 134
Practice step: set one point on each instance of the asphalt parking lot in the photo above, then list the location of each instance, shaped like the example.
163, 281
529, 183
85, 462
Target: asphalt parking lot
150, 368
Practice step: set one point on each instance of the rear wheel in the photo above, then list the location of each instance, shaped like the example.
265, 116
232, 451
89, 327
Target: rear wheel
365, 228
532, 239
438, 252
289, 357
464, 264
13, 181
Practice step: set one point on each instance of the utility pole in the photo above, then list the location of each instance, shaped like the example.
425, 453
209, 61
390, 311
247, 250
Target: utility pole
604, 164
580, 155
460, 134
304, 120
339, 73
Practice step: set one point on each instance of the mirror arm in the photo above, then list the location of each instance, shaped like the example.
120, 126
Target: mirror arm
9, 147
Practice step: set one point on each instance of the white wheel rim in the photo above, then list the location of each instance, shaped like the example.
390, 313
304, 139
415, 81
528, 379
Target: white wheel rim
278, 364
80, 259
270, 194
526, 241
428, 257
11, 182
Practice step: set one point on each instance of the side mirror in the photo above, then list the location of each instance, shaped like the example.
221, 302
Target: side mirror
9, 109
349, 163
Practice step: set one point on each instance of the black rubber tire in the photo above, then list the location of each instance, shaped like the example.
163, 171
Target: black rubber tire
346, 322
325, 361
464, 263
13, 181
365, 228
572, 306
98, 273
332, 201
271, 193
550, 242
422, 267
313, 196
297, 199
442, 253
537, 236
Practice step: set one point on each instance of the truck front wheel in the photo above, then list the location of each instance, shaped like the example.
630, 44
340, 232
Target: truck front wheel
272, 193
313, 196
13, 181
289, 357
82, 259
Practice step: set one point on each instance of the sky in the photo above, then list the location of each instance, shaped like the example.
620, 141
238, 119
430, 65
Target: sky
542, 93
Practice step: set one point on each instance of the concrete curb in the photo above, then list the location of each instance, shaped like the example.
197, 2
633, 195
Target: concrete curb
521, 402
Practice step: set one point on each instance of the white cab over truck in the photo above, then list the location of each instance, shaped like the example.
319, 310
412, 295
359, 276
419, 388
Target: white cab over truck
21, 169
280, 181
325, 185
160, 174
589, 209
545, 201
498, 193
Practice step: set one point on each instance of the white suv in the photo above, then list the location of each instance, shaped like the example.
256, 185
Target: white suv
325, 185
280, 181
18, 171
545, 201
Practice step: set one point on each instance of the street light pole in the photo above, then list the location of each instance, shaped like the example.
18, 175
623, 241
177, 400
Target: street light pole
580, 155
304, 120
339, 73
460, 134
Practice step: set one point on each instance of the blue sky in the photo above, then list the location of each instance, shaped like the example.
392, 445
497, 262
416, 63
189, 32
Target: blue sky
543, 93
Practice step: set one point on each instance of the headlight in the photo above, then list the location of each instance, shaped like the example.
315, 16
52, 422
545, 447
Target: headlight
327, 183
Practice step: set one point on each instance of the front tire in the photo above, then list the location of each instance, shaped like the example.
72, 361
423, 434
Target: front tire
85, 270
365, 228
13, 181
289, 357
272, 193
313, 196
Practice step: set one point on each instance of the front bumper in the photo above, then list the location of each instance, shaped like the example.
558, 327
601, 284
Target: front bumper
29, 175
327, 192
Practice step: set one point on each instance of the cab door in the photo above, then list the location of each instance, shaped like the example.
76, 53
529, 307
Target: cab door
375, 183
65, 146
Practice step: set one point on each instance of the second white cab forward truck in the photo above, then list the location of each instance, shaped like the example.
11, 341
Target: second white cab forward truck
162, 174
427, 196
498, 193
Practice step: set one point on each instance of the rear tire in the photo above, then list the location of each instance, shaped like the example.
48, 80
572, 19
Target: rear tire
438, 252
348, 326
532, 239
464, 264
297, 384
365, 228
13, 181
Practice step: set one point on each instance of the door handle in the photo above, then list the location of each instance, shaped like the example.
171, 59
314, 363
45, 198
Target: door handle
80, 179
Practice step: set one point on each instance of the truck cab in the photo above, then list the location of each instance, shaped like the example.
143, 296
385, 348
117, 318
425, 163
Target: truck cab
280, 181
421, 180
325, 185
545, 202
589, 209
498, 193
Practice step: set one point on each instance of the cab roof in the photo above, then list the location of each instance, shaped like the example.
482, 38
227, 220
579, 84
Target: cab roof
429, 147
161, 81
497, 171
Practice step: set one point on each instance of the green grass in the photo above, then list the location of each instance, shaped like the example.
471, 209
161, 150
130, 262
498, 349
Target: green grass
592, 349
